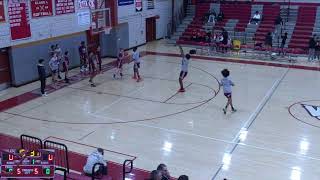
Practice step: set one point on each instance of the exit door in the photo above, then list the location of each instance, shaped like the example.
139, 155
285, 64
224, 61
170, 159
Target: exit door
5, 77
151, 29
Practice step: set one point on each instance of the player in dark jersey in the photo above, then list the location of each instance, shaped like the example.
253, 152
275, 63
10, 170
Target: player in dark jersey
119, 64
65, 65
83, 57
99, 58
93, 63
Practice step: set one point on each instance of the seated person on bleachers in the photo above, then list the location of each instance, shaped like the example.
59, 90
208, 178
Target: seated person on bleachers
256, 18
203, 36
93, 158
208, 37
199, 36
164, 172
268, 40
194, 35
220, 16
218, 40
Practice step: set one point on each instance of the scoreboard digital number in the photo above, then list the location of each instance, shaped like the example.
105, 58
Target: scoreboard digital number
21, 163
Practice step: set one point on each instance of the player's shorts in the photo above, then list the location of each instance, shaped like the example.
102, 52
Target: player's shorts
65, 68
54, 71
228, 95
183, 74
136, 66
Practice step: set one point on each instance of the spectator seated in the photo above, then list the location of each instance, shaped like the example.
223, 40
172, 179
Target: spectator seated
256, 18
95, 165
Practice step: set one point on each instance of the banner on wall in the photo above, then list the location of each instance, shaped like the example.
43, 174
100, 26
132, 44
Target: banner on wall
150, 4
85, 4
138, 5
125, 2
19, 19
64, 7
2, 17
41, 8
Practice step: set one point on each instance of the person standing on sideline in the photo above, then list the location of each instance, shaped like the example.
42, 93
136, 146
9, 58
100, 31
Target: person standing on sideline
136, 65
93, 63
54, 65
226, 83
83, 57
58, 51
65, 65
184, 68
312, 46
283, 42
99, 58
42, 76
278, 23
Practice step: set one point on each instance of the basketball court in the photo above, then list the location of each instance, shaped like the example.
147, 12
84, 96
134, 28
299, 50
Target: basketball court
271, 136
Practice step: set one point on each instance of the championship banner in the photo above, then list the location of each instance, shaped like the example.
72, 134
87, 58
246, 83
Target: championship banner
138, 5
2, 17
125, 2
19, 19
150, 4
85, 4
41, 8
64, 7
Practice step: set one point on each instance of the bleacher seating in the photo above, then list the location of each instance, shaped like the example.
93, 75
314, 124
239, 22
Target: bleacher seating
270, 13
239, 14
304, 27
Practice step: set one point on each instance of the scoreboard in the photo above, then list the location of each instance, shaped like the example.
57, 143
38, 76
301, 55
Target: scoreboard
21, 163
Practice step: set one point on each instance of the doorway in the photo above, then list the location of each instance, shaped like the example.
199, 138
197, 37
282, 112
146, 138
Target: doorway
5, 75
151, 29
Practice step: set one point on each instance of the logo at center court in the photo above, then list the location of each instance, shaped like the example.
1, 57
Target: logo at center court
314, 111
307, 112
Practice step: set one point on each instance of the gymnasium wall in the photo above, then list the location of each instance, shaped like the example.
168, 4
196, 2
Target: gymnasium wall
44, 27
136, 20
24, 58
292, 1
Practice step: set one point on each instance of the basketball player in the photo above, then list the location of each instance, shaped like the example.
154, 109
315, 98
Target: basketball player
99, 58
226, 83
93, 63
136, 65
58, 51
54, 65
65, 65
83, 57
119, 64
184, 68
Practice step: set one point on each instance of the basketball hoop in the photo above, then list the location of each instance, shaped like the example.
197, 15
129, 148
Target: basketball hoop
100, 16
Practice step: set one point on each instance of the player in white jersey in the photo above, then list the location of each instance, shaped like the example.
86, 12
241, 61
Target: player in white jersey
184, 68
227, 84
136, 65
